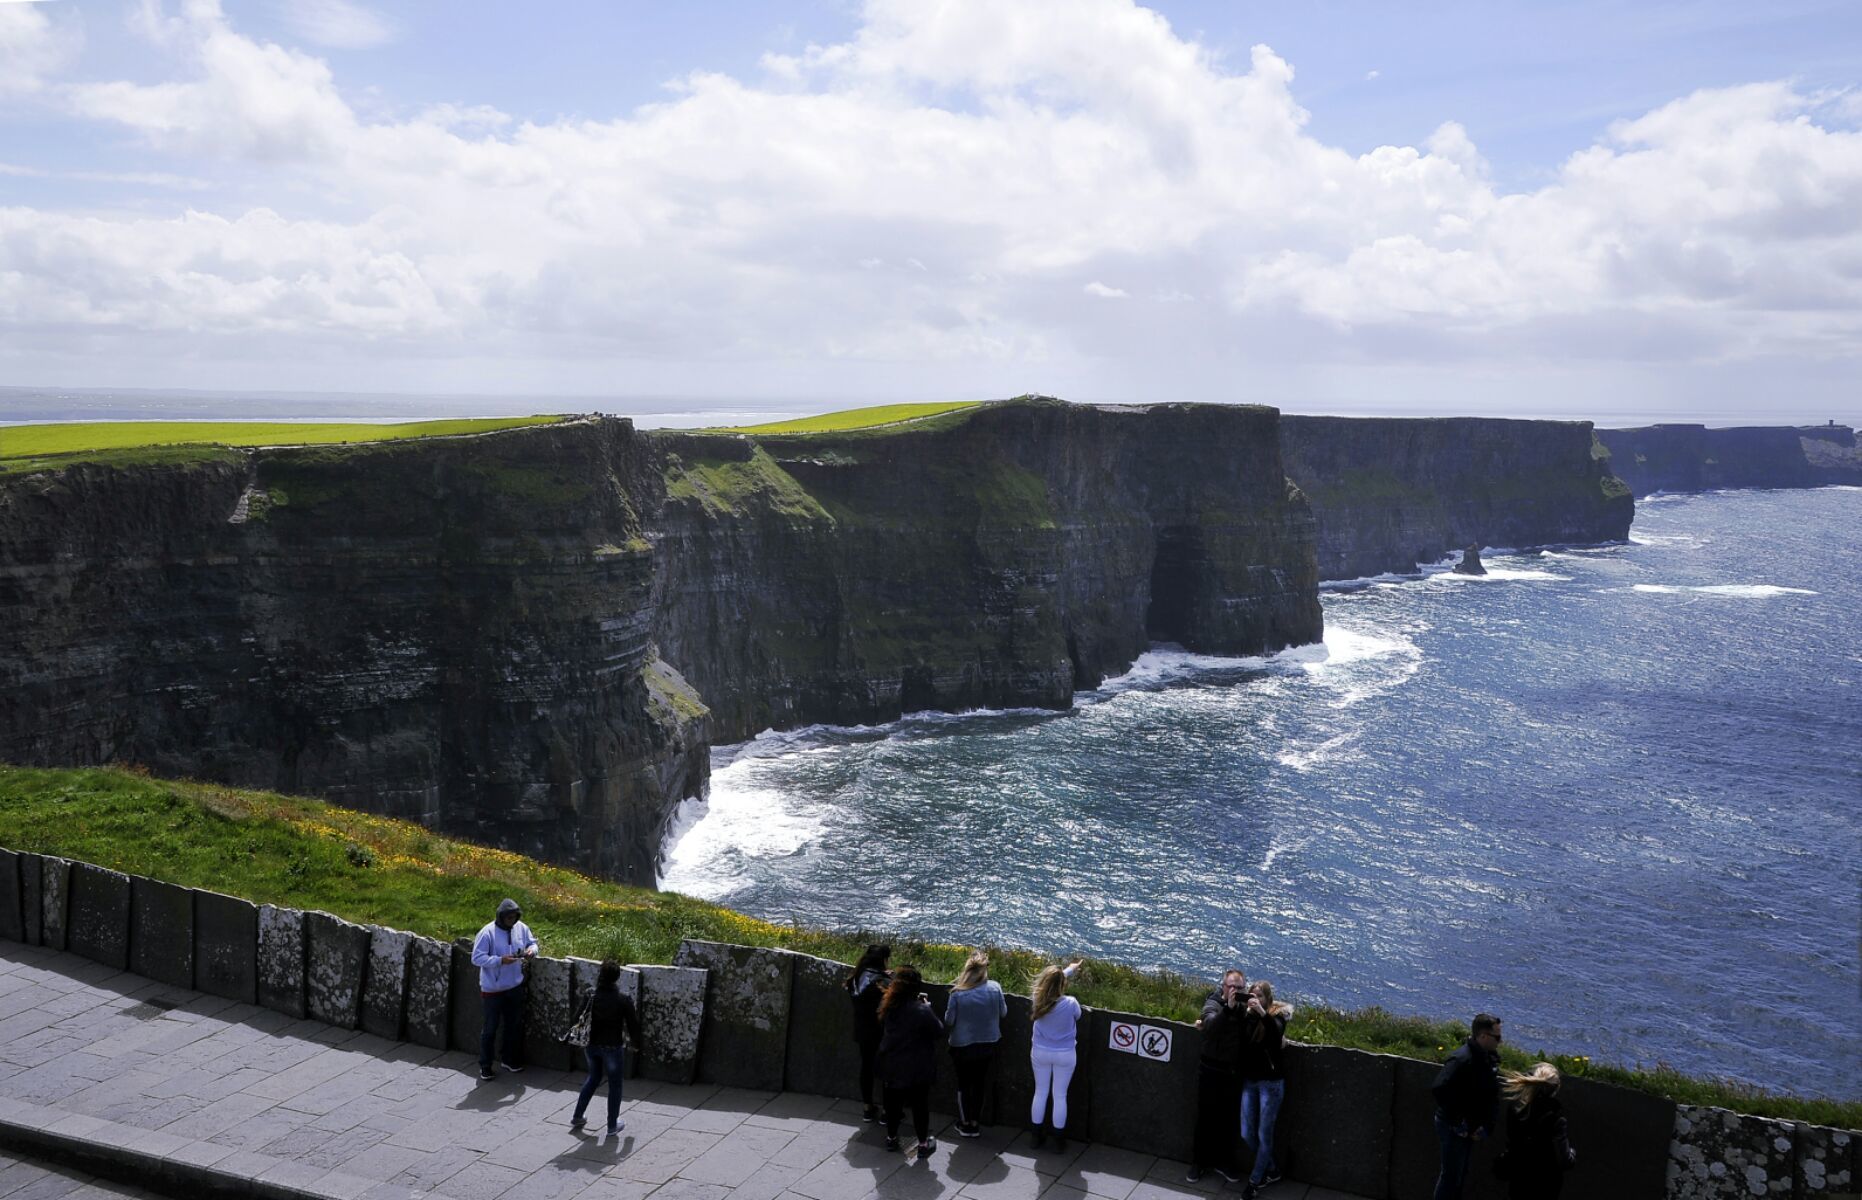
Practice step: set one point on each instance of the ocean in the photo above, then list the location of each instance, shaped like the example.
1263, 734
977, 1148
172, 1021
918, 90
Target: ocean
1610, 794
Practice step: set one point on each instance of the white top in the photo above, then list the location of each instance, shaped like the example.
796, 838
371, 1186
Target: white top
1059, 1029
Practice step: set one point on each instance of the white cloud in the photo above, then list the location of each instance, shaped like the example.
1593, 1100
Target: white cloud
934, 189
33, 46
338, 24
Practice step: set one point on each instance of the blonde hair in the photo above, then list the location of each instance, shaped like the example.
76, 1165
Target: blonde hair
975, 971
1525, 1089
1049, 986
1265, 991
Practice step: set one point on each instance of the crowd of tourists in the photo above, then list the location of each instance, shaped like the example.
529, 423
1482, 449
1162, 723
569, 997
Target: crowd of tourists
1241, 1074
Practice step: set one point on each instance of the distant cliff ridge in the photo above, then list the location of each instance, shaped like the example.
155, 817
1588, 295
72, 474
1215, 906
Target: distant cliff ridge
532, 637
1388, 494
1694, 458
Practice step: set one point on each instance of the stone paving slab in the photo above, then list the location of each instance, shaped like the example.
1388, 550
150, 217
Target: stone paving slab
203, 1097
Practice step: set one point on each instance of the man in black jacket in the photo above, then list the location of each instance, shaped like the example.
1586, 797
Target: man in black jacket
1218, 1079
1467, 1101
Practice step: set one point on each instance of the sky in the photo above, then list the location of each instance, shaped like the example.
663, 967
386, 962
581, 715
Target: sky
1597, 209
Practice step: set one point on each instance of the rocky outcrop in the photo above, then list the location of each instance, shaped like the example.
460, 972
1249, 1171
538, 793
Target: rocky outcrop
1388, 494
1470, 563
1694, 458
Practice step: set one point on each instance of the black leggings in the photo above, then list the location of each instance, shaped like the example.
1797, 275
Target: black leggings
869, 1050
1218, 1117
972, 1063
918, 1097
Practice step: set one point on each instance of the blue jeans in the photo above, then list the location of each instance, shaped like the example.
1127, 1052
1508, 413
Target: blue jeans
504, 1008
1260, 1108
1456, 1150
612, 1062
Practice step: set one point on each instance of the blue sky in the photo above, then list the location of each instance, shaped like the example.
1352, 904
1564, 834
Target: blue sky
1498, 207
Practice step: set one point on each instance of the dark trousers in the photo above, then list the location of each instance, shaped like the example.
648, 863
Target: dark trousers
869, 1050
918, 1098
610, 1061
1218, 1117
972, 1063
505, 1009
1456, 1150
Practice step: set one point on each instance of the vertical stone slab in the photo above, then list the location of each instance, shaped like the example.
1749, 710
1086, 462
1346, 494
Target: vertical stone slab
97, 915
161, 932
335, 965
672, 1013
384, 986
32, 898
1335, 1124
821, 1058
429, 992
55, 895
546, 1013
1139, 1103
281, 959
1717, 1153
1621, 1137
1415, 1155
12, 920
746, 1028
1825, 1162
468, 1008
226, 947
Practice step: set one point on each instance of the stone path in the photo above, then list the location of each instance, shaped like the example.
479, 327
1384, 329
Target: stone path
191, 1095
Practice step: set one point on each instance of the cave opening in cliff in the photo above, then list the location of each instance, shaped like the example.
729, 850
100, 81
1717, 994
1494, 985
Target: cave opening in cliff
1173, 572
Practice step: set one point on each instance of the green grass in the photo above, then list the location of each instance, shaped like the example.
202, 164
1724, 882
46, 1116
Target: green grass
307, 854
91, 437
132, 456
857, 418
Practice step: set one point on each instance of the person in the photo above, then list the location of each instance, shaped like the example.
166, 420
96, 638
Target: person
1218, 1079
500, 952
1053, 1054
973, 1015
1538, 1144
867, 986
612, 1024
907, 1058
1467, 1099
1263, 1080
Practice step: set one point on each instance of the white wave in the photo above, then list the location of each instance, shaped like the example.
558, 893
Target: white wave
1749, 591
741, 821
1166, 664
1501, 575
1306, 760
1346, 644
1278, 847
775, 743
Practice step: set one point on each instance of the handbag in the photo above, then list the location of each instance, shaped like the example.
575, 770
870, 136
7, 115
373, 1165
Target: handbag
579, 1025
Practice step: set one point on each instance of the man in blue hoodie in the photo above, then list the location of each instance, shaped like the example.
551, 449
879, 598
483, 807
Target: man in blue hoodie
499, 952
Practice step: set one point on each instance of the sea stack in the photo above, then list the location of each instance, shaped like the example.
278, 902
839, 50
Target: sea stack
1470, 563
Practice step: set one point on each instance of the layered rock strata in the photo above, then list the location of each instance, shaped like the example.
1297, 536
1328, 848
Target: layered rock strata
1694, 458
1388, 494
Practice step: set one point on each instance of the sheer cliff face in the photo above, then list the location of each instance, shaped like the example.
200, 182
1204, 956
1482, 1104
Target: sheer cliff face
450, 631
1004, 558
1693, 458
1388, 494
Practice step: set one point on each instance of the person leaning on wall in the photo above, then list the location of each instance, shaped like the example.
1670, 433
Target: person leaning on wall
1538, 1143
1263, 1080
500, 952
907, 1059
1218, 1080
973, 1015
1467, 1100
1054, 1052
866, 985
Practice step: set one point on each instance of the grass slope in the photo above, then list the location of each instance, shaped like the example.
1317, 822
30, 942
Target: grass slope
93, 437
857, 418
307, 854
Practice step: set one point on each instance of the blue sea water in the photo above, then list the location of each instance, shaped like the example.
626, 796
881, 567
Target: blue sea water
1611, 794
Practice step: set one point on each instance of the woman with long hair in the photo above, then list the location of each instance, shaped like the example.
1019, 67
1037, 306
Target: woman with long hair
865, 984
1538, 1144
973, 1014
907, 1060
1263, 1080
1053, 1055
612, 1024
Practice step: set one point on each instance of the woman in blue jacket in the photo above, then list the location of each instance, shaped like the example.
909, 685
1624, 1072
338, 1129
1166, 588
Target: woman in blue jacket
973, 1015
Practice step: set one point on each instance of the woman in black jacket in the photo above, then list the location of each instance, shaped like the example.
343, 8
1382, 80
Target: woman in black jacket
867, 985
1538, 1147
612, 1024
908, 1036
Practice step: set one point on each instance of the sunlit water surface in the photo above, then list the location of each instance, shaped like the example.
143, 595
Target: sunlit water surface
1611, 794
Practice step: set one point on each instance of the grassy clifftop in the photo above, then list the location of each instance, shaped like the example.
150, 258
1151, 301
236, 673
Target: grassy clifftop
285, 850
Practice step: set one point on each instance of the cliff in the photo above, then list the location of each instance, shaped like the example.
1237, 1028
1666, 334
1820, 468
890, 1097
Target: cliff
1390, 493
1694, 458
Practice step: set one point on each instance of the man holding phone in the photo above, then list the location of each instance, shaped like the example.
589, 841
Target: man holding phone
499, 953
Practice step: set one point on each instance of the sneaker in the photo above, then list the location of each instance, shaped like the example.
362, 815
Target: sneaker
1270, 1177
615, 1129
970, 1130
1193, 1175
1226, 1173
487, 1073
870, 1113
513, 1070
892, 1143
927, 1147
577, 1122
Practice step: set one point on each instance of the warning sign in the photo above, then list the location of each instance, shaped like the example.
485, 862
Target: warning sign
1124, 1037
1154, 1043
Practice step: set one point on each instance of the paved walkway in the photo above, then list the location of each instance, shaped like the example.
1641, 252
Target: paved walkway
186, 1093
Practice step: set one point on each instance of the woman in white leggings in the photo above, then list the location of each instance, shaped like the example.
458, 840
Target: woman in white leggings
1056, 1029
